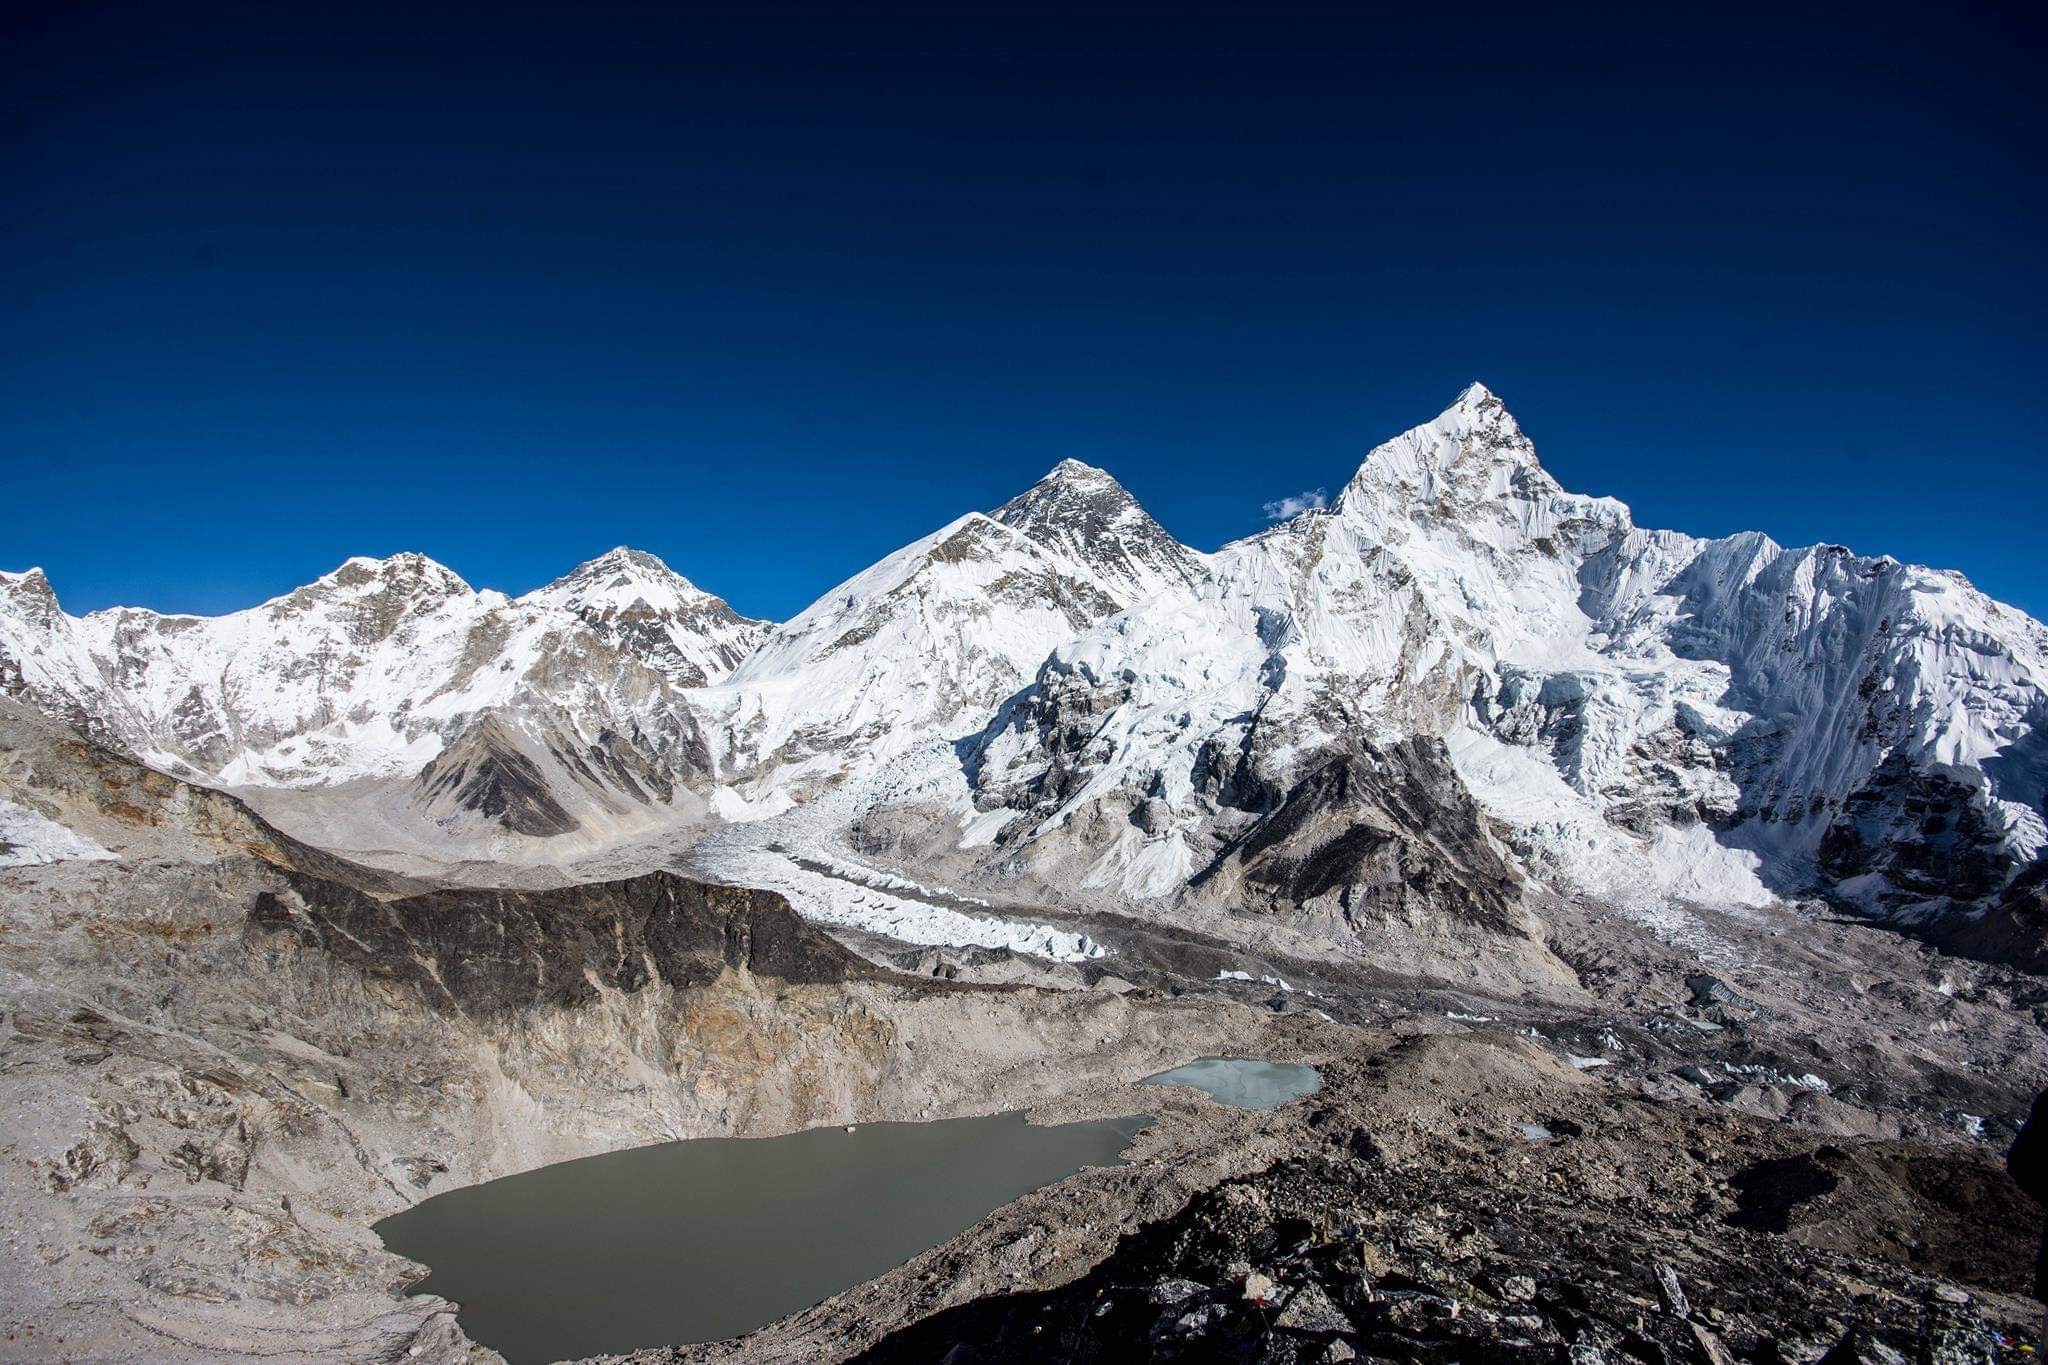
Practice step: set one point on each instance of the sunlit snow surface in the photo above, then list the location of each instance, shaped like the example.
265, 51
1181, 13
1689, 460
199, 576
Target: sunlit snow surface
367, 671
1571, 661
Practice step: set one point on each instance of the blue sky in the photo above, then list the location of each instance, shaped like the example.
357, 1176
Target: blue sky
771, 290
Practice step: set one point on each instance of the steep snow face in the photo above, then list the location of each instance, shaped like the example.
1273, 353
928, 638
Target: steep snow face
1086, 517
363, 674
924, 643
641, 607
42, 658
1655, 716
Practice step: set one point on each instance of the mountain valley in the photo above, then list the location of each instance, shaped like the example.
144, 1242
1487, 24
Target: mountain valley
1646, 901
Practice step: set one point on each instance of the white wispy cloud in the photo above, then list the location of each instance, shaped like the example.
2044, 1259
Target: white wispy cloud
1281, 509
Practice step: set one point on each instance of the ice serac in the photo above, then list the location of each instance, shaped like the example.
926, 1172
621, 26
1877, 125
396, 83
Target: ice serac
1084, 515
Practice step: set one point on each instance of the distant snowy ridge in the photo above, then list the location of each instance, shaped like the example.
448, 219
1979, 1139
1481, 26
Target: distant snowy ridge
372, 670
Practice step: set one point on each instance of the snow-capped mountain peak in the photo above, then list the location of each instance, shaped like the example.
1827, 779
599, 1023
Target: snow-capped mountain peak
1071, 468
1470, 482
636, 602
374, 597
1084, 515
407, 571
29, 593
1474, 449
367, 670
1658, 716
617, 580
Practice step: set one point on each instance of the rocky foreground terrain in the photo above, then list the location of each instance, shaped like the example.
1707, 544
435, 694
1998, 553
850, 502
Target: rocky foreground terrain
227, 1054
1468, 1198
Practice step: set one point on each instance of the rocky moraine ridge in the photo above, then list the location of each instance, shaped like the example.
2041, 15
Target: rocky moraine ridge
1667, 916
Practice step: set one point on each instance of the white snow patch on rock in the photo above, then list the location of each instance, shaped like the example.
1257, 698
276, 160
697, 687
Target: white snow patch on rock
28, 839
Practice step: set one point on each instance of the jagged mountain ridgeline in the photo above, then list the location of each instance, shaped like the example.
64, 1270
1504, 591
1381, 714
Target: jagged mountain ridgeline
1409, 717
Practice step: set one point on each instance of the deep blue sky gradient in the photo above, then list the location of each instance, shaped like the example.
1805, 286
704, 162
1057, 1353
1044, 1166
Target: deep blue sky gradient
771, 290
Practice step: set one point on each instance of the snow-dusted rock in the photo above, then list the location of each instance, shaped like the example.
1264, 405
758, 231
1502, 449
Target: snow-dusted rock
642, 607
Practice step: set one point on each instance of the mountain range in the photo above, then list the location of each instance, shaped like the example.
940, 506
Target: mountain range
1459, 685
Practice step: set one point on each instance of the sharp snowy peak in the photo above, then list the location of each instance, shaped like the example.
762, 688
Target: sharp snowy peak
928, 641
1083, 515
640, 606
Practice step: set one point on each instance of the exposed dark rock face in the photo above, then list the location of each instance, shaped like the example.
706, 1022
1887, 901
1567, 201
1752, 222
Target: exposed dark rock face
641, 767
2013, 929
1386, 833
532, 770
1064, 710
1380, 848
494, 953
485, 772
1083, 513
1923, 831
1381, 1238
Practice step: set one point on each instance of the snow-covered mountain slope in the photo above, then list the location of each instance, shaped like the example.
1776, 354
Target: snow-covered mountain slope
368, 674
927, 642
1085, 516
1647, 715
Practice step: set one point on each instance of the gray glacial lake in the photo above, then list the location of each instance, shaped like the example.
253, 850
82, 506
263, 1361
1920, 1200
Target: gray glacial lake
706, 1239
1243, 1081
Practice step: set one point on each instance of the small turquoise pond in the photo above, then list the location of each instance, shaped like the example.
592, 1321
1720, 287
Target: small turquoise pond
1243, 1081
